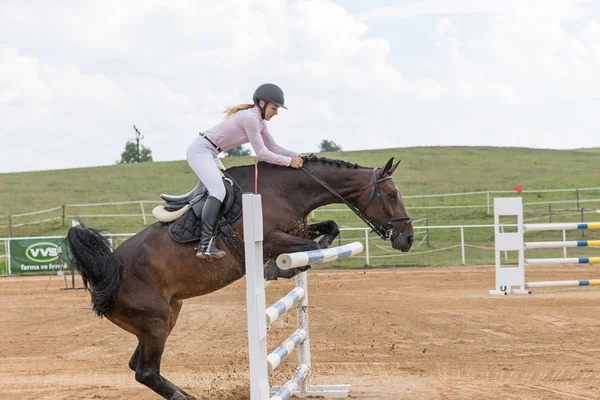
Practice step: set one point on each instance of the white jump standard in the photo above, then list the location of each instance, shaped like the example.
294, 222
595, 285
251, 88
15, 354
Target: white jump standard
260, 317
509, 277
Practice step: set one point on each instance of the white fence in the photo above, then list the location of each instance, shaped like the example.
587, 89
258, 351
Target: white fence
67, 211
373, 244
63, 215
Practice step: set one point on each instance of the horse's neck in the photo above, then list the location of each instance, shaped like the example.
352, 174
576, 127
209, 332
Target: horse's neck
343, 180
302, 191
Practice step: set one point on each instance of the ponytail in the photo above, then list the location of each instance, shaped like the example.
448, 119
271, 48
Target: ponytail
229, 111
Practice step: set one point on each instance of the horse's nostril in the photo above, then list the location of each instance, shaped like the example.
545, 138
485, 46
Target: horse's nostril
410, 240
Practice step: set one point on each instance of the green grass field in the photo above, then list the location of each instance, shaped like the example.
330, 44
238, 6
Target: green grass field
424, 170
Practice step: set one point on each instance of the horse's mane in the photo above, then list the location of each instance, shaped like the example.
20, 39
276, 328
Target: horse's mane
318, 160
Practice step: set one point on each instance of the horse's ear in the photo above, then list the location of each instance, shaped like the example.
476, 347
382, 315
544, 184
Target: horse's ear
386, 169
393, 169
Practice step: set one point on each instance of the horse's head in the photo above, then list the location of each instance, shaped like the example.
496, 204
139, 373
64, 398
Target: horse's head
381, 201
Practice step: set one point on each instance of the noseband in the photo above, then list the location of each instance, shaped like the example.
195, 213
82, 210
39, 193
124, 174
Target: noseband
384, 231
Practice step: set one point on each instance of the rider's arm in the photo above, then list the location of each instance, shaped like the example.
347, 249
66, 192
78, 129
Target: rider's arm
251, 126
274, 147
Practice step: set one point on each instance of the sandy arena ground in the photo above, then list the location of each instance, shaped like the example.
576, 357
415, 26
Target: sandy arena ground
414, 333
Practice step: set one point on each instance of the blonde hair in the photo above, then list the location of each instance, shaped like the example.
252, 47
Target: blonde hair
229, 111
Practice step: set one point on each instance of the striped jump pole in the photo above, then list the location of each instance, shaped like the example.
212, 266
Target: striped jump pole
284, 304
592, 282
573, 243
260, 317
291, 386
292, 260
560, 226
286, 348
572, 260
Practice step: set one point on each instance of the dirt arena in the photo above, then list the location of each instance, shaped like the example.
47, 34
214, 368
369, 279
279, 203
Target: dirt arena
412, 333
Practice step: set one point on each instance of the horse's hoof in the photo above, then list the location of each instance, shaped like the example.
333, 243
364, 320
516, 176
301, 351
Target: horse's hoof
292, 272
181, 396
271, 271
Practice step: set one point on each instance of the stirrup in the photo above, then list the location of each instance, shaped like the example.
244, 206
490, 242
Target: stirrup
210, 252
213, 252
202, 254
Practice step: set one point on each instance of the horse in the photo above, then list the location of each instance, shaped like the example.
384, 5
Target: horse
141, 285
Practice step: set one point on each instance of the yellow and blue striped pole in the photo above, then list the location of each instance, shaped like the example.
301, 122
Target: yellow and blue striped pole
592, 282
560, 226
574, 260
573, 243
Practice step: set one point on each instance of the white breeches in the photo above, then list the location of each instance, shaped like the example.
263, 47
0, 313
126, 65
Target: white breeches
203, 159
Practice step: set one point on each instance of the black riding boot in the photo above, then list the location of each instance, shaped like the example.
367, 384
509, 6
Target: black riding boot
206, 248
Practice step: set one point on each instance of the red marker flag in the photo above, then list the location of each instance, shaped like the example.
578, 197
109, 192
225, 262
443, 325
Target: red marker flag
518, 188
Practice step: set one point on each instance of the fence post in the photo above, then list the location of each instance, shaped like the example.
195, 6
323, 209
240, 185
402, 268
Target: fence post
462, 243
550, 212
367, 246
63, 215
8, 265
143, 213
9, 226
427, 229
577, 191
564, 240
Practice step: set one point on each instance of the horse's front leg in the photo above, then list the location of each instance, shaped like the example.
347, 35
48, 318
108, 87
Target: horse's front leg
279, 242
328, 229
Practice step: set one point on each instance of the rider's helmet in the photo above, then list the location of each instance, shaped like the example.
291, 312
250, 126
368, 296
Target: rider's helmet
270, 93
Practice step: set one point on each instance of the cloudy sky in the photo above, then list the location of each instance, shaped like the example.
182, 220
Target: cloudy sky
76, 77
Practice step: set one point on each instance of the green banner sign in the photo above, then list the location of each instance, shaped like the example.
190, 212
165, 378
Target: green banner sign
35, 256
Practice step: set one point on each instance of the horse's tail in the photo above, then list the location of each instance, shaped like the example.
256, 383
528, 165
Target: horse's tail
99, 267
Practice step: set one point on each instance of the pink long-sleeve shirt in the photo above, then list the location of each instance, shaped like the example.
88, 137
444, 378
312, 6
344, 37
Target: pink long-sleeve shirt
247, 126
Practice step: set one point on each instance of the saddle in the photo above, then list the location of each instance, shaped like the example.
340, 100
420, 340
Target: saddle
183, 213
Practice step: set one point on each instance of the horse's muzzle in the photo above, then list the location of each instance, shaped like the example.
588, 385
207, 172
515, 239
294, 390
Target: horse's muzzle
403, 241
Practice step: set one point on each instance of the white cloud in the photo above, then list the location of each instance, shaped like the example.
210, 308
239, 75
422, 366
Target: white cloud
19, 78
533, 8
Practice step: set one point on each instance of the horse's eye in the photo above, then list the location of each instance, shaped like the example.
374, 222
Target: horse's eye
392, 195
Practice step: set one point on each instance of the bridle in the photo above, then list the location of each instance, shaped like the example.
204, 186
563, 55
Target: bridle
384, 231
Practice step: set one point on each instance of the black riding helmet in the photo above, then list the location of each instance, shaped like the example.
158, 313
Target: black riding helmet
270, 93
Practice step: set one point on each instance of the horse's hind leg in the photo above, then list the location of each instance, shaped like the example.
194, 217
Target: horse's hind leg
151, 346
134, 358
175, 309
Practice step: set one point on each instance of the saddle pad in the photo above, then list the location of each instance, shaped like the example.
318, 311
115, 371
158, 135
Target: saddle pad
187, 228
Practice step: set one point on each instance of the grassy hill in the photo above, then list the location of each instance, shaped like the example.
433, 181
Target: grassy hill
424, 170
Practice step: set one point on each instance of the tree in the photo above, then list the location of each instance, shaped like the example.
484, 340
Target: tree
330, 145
237, 152
131, 155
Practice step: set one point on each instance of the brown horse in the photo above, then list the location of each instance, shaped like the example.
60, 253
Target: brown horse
140, 286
